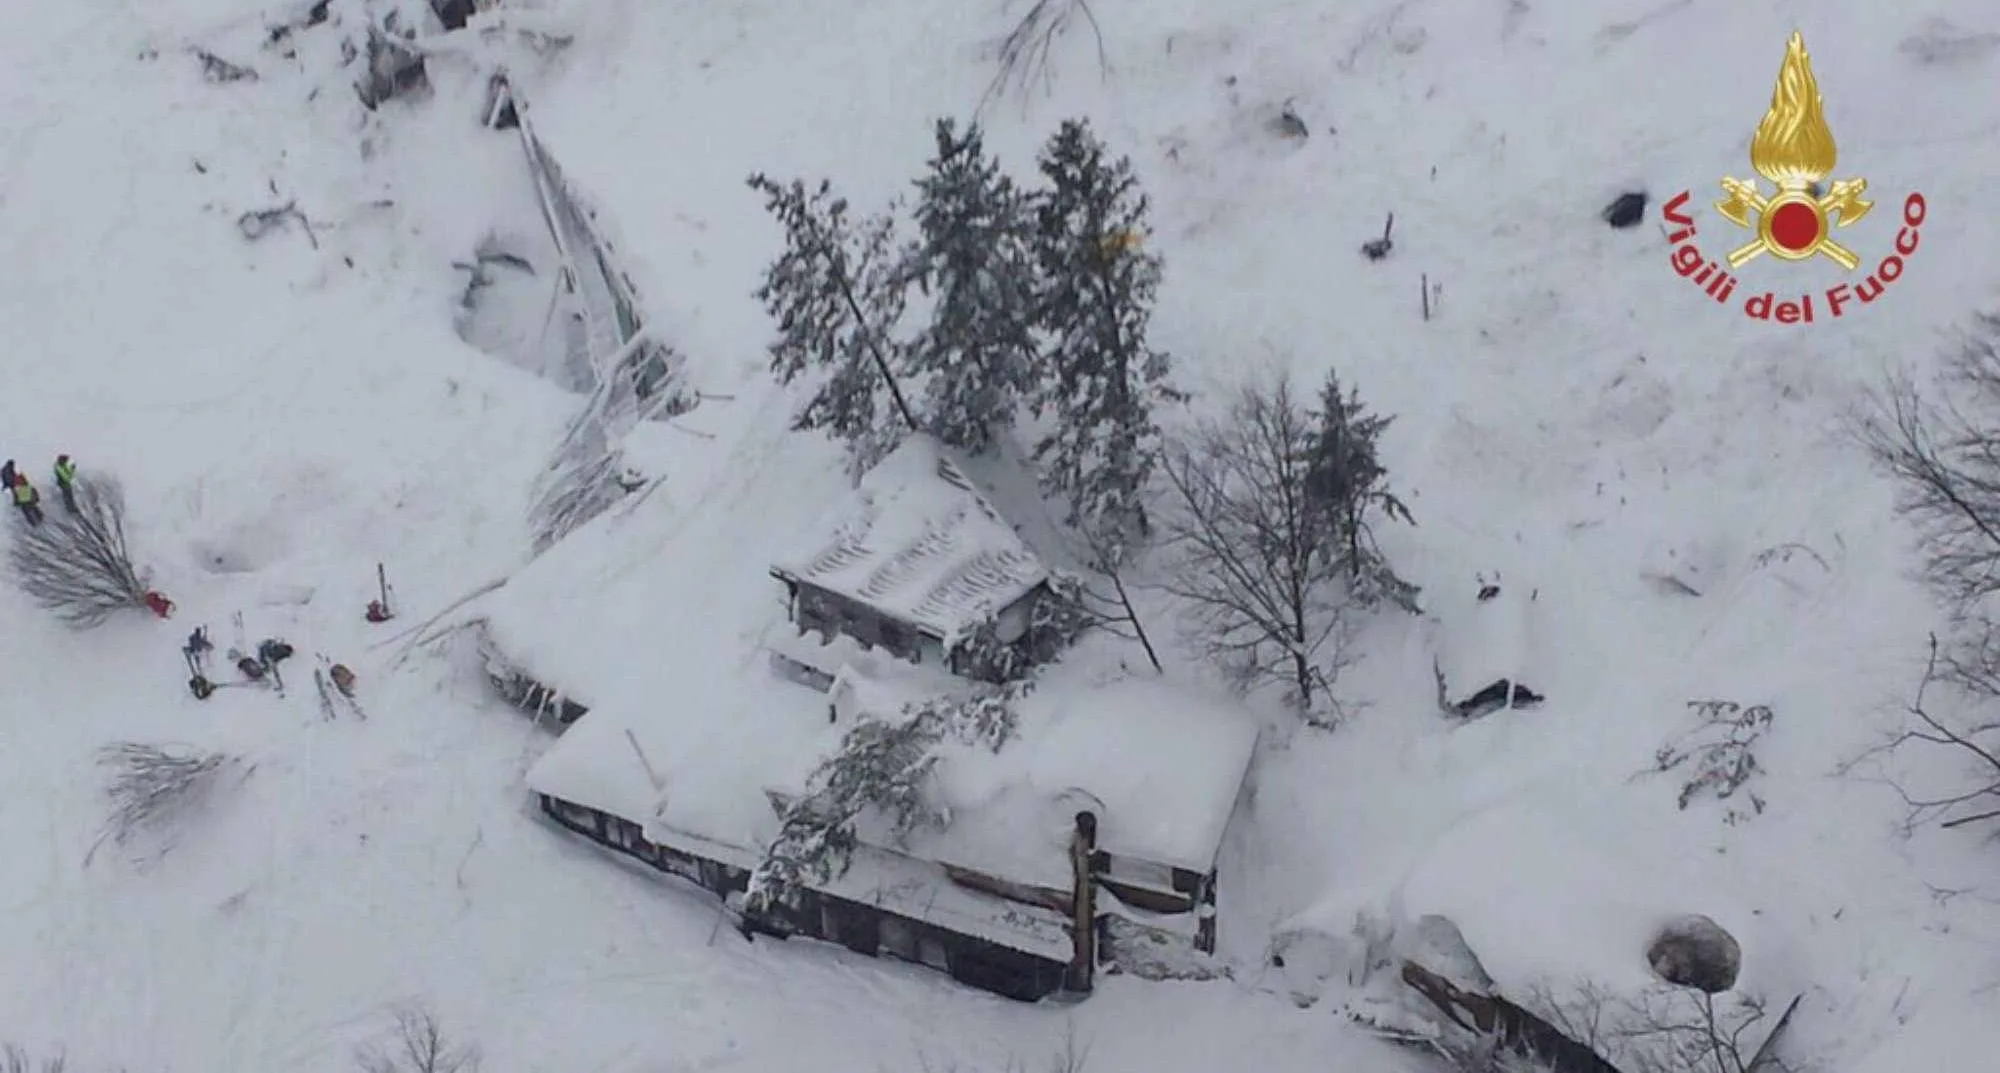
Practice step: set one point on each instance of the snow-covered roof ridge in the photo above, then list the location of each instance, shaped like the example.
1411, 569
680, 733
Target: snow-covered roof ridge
923, 544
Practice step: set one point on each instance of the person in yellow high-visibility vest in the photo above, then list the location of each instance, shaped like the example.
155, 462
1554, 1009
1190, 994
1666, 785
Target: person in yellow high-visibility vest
66, 481
27, 500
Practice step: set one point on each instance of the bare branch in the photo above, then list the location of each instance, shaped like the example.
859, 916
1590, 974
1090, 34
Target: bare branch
153, 787
1978, 744
75, 562
419, 1046
1023, 54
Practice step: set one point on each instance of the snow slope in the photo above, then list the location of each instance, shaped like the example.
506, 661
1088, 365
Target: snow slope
1574, 413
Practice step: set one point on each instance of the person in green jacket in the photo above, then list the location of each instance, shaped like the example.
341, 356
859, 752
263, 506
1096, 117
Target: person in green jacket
66, 481
27, 500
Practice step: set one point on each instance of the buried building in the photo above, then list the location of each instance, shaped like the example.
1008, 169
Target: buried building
1084, 835
1090, 839
922, 566
1487, 652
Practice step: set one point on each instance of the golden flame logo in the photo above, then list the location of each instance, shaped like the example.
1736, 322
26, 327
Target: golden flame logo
1794, 150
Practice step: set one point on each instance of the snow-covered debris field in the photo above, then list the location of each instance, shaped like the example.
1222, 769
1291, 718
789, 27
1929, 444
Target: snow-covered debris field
240, 232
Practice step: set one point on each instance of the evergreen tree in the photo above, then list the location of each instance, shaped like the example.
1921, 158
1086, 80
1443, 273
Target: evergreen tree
1100, 378
882, 771
1345, 484
978, 353
836, 291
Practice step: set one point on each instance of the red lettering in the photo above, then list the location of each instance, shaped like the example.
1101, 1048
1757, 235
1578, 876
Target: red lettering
1890, 268
1674, 215
1836, 296
1914, 209
1911, 236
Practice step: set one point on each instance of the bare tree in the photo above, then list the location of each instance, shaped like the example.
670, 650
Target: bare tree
14, 1059
1023, 54
1976, 741
419, 1046
1250, 548
76, 563
152, 787
1943, 454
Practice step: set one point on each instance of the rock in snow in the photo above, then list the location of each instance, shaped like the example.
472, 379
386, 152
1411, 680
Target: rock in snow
1696, 952
1626, 210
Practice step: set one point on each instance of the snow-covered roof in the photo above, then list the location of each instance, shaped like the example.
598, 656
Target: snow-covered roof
1161, 765
922, 544
662, 614
1160, 762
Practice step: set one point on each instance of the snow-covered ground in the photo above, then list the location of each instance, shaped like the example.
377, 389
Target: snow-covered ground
287, 413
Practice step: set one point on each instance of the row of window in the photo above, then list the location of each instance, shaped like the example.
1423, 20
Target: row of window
628, 837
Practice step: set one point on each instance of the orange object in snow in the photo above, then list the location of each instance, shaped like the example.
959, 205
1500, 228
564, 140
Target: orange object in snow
158, 604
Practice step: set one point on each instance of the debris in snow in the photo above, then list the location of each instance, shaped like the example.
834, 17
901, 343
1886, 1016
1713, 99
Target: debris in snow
1696, 952
1720, 752
1287, 124
1670, 584
1377, 248
1150, 953
257, 223
218, 70
501, 113
1942, 42
379, 610
395, 69
335, 683
154, 786
454, 14
1501, 1025
1484, 652
1626, 210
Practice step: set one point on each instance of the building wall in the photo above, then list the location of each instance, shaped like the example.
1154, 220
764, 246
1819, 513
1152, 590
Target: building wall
816, 609
862, 928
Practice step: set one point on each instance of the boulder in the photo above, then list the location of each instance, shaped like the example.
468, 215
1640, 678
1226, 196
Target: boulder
1626, 210
1694, 951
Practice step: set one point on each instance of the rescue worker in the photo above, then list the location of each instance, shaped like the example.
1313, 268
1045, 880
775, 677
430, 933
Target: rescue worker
27, 499
197, 649
66, 481
7, 476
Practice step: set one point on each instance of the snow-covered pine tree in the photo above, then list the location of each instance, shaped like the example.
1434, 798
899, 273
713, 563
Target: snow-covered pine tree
883, 770
1346, 484
837, 292
880, 766
978, 354
1100, 378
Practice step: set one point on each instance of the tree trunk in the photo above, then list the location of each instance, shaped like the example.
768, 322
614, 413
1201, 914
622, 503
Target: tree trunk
1302, 674
874, 351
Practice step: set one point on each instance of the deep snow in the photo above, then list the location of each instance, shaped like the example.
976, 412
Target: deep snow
1574, 413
